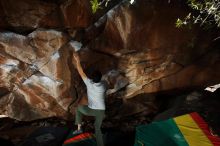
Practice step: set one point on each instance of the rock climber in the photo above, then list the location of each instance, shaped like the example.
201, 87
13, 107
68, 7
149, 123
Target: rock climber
96, 89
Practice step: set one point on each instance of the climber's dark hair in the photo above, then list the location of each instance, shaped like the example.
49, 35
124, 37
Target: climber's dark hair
96, 76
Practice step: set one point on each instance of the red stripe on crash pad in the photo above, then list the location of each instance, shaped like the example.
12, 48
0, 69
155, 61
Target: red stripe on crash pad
78, 137
205, 128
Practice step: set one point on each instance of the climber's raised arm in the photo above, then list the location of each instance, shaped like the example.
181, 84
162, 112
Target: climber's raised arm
79, 66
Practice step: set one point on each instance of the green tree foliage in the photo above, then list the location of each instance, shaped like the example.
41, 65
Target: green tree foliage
205, 13
96, 4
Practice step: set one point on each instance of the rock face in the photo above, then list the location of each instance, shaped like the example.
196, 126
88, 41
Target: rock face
82, 17
151, 52
137, 47
32, 69
24, 15
27, 14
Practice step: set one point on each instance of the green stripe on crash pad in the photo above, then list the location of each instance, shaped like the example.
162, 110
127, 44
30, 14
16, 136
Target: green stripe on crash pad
163, 133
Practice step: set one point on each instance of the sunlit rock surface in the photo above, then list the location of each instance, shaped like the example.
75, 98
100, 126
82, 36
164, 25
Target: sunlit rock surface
136, 47
35, 69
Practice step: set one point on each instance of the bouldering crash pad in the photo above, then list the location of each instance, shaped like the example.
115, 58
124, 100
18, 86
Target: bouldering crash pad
185, 130
83, 139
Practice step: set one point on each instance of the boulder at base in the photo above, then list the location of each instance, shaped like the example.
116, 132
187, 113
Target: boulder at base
46, 136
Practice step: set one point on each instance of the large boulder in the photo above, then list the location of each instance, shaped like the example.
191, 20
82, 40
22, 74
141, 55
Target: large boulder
153, 54
137, 48
35, 69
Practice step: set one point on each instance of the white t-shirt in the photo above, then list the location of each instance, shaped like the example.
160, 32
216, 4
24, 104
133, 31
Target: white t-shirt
96, 94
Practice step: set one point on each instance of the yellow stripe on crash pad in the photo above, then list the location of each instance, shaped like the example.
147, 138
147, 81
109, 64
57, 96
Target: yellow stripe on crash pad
191, 131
